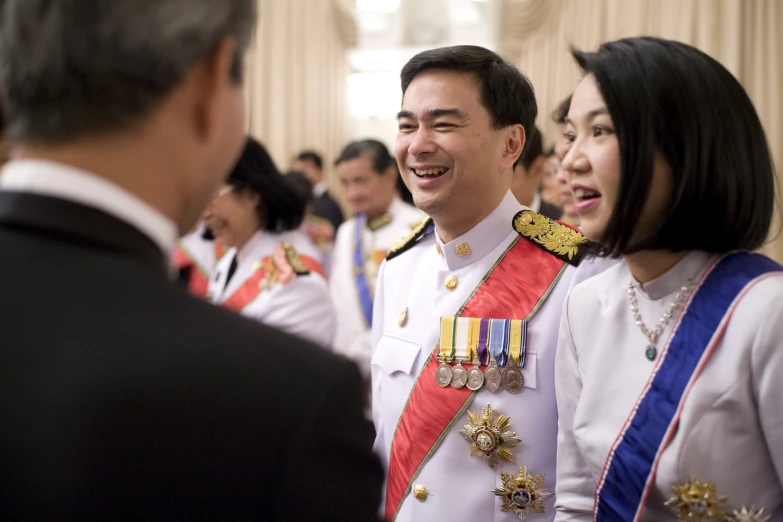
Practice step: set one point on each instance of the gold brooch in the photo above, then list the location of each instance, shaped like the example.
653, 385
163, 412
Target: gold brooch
745, 515
522, 493
490, 436
696, 500
403, 317
553, 236
463, 249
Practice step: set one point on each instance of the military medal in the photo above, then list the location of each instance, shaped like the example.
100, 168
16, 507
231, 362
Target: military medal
745, 515
460, 376
512, 377
522, 493
697, 501
490, 436
492, 377
475, 377
444, 375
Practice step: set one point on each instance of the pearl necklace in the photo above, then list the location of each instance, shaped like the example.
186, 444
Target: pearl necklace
652, 335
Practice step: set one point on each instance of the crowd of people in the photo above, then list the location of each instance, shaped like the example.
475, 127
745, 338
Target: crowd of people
471, 328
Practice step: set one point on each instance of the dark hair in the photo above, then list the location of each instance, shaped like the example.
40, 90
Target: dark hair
311, 156
282, 206
302, 184
86, 67
534, 148
379, 155
505, 92
671, 98
560, 113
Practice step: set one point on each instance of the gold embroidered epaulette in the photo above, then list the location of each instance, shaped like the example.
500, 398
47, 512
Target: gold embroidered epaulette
556, 238
292, 259
409, 240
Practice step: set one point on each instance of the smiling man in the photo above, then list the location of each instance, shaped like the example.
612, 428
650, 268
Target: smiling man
467, 308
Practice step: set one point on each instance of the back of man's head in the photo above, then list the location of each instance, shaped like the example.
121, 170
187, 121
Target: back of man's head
84, 67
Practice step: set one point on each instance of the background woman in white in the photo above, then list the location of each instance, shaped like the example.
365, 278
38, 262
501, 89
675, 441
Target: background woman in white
270, 272
669, 363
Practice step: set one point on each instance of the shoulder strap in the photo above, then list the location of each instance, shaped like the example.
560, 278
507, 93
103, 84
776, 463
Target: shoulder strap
557, 238
407, 243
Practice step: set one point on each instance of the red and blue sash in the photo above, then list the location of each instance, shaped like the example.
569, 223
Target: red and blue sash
365, 297
629, 473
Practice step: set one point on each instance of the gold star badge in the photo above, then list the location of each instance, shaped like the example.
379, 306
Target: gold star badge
745, 515
522, 493
697, 501
490, 436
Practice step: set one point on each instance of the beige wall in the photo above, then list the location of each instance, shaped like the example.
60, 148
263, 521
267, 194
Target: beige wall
744, 35
297, 70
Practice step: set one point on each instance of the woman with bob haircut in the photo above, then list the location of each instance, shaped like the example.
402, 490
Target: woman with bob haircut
669, 365
270, 272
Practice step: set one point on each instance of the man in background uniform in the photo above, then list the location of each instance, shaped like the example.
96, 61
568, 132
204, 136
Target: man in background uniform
368, 175
311, 164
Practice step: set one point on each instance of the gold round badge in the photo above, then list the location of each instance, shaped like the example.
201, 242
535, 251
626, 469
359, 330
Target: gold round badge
420, 492
451, 283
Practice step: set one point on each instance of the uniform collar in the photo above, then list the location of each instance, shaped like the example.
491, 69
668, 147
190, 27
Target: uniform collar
384, 219
481, 239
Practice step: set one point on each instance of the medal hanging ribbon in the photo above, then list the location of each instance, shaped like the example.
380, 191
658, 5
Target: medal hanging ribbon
629, 473
515, 287
365, 296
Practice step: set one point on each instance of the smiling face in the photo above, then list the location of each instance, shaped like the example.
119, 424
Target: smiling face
233, 216
456, 166
593, 167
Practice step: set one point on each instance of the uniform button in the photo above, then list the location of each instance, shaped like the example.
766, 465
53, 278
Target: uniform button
451, 283
420, 492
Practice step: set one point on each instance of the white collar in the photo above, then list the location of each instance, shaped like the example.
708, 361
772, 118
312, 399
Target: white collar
61, 181
319, 189
484, 237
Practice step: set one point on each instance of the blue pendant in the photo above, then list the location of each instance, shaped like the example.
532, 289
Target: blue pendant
651, 352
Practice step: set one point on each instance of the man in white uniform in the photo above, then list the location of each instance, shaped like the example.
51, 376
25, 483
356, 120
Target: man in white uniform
467, 309
368, 175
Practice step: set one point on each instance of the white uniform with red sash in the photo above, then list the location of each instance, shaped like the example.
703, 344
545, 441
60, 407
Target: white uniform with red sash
267, 286
707, 408
356, 259
499, 275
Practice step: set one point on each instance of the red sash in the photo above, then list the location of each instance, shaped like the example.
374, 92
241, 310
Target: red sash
252, 287
513, 289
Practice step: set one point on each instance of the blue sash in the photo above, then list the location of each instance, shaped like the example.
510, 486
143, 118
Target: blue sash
365, 297
630, 470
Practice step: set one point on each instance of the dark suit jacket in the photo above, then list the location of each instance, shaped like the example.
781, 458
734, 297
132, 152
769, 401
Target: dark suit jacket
326, 207
549, 210
123, 398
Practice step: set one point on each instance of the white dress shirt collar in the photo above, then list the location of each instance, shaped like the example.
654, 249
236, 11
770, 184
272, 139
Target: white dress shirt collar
483, 238
61, 181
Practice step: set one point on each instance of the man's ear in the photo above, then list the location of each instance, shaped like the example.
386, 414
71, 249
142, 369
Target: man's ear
514, 145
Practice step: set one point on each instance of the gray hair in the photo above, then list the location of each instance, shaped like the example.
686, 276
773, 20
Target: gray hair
75, 67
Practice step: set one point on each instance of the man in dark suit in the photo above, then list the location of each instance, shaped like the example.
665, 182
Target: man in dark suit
528, 173
311, 165
123, 397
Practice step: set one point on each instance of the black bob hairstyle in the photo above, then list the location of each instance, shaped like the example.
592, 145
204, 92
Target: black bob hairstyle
282, 205
670, 97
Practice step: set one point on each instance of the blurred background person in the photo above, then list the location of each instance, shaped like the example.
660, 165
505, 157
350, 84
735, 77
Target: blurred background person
550, 186
270, 272
318, 229
311, 164
369, 178
529, 171
559, 116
